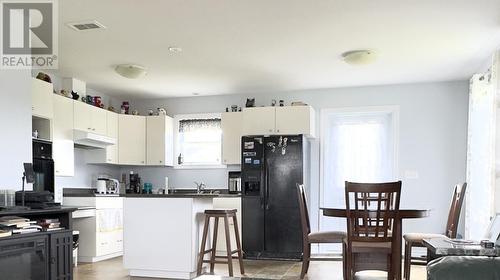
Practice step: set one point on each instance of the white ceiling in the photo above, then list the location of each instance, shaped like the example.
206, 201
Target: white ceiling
245, 46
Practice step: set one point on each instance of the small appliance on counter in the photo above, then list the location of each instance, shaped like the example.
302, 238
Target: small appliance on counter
134, 185
234, 182
106, 185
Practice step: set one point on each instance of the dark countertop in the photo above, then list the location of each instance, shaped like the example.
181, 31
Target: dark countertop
178, 193
84, 192
62, 209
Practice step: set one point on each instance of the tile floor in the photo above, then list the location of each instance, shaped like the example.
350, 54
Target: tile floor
319, 270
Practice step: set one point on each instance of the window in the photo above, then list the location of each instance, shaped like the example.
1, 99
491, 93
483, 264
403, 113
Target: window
359, 145
199, 140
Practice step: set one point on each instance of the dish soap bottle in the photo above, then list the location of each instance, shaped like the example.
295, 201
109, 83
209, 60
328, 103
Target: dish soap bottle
180, 159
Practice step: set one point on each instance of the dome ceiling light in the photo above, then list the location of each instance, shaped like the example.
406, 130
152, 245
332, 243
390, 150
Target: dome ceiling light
130, 71
359, 57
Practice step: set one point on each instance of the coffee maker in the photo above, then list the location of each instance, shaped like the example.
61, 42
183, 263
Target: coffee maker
135, 183
234, 182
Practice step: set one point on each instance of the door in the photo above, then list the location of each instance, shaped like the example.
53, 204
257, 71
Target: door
112, 131
283, 171
61, 255
98, 120
155, 140
82, 116
231, 137
295, 120
132, 135
41, 99
259, 120
63, 145
252, 202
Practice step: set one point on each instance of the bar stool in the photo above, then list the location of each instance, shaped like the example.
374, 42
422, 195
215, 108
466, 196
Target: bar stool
219, 214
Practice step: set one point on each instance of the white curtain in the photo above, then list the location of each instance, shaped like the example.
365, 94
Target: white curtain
359, 147
480, 156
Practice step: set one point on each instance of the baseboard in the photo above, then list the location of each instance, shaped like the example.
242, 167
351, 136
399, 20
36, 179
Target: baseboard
93, 259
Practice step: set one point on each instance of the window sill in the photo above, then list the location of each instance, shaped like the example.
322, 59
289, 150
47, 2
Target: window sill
212, 166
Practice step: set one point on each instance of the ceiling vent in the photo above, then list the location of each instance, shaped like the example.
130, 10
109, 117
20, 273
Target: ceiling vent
86, 25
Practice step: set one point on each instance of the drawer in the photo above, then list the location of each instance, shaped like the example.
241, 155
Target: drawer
84, 213
109, 243
108, 202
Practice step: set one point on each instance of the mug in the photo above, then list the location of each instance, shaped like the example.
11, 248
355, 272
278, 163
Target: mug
90, 99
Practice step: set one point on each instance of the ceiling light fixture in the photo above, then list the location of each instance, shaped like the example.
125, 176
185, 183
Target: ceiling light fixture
175, 49
130, 71
196, 93
359, 57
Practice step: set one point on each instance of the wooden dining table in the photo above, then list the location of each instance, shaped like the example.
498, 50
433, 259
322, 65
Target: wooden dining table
403, 214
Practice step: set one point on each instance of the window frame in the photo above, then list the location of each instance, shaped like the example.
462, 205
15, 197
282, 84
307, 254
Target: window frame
177, 119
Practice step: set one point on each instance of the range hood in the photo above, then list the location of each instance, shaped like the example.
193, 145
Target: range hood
92, 140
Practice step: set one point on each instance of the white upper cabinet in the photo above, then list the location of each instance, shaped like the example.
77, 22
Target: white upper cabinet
98, 117
89, 118
231, 124
295, 120
132, 138
82, 119
159, 140
41, 99
62, 145
112, 131
279, 120
258, 120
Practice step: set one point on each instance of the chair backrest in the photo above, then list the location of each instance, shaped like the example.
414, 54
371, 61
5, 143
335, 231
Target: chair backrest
304, 213
455, 209
372, 210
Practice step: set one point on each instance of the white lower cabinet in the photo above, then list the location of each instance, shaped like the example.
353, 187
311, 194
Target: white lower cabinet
101, 234
227, 203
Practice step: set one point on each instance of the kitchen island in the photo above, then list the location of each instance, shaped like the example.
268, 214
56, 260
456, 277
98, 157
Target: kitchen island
162, 233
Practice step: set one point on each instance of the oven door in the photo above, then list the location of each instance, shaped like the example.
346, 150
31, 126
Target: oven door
44, 174
24, 258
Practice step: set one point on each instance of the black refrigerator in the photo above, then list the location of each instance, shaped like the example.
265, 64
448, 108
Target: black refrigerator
271, 168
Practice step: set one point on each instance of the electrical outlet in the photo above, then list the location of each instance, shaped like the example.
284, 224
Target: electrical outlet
411, 174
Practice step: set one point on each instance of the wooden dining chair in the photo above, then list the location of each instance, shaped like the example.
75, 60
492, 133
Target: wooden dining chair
416, 239
372, 210
309, 238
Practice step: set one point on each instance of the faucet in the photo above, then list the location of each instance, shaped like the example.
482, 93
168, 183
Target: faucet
200, 187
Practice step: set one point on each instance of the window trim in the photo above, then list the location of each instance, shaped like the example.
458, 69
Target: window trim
180, 117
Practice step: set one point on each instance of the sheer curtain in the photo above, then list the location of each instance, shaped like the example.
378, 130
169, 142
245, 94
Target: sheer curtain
480, 157
359, 147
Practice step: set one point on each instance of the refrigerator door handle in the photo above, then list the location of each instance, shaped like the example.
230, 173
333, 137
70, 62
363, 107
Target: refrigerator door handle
267, 187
